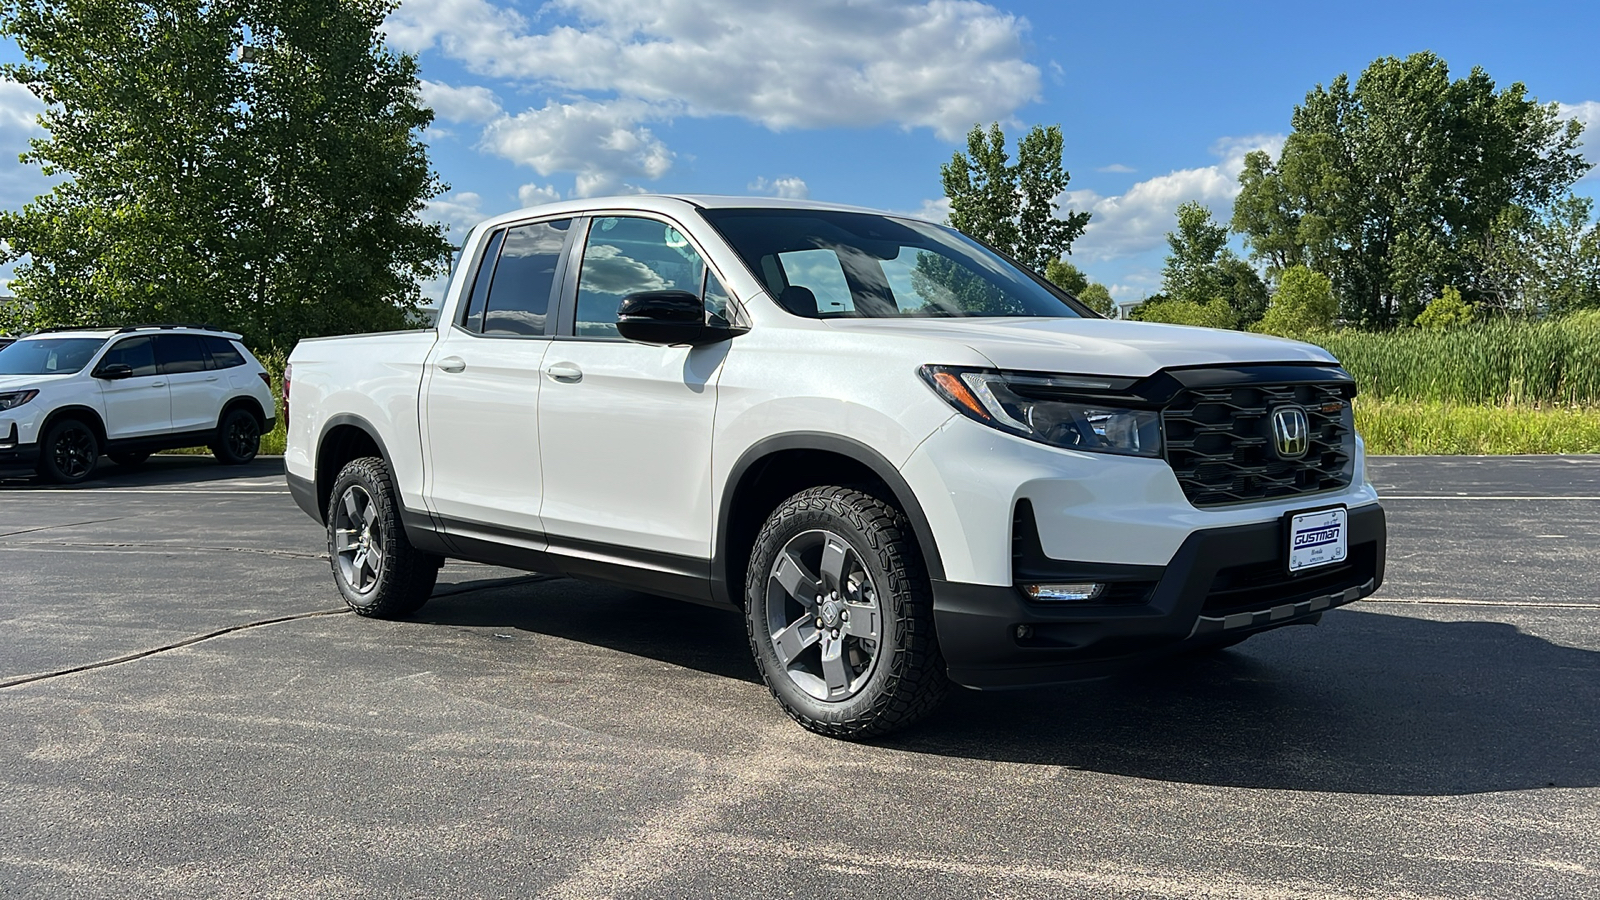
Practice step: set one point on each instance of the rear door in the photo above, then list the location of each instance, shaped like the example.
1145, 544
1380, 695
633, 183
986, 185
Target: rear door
138, 406
481, 390
197, 389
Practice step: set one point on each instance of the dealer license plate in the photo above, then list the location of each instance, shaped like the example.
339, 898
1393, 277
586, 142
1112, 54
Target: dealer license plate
1318, 538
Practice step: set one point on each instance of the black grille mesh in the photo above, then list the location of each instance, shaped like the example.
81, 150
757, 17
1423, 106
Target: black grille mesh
1219, 442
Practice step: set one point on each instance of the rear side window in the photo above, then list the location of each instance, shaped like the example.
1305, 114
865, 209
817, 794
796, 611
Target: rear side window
180, 353
137, 353
472, 316
524, 278
224, 355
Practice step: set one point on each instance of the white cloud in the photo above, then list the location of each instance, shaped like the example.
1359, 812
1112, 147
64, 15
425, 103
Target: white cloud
936, 211
788, 188
458, 212
536, 194
19, 110
1138, 221
1117, 169
1587, 112
940, 64
472, 103
601, 142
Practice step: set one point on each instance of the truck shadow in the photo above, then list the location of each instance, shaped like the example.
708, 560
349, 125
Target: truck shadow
1366, 703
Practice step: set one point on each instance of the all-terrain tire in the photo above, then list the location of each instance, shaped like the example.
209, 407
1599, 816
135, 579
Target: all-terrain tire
238, 437
69, 452
403, 577
907, 677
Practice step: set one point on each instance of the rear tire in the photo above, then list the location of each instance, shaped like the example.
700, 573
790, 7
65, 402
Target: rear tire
129, 460
840, 615
378, 572
238, 437
69, 452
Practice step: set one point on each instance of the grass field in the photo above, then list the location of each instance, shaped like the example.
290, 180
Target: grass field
1415, 428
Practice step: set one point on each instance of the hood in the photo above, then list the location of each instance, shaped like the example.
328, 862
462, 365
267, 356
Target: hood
1095, 346
28, 382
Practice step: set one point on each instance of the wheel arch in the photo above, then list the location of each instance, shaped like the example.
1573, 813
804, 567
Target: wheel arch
344, 437
248, 402
776, 468
88, 414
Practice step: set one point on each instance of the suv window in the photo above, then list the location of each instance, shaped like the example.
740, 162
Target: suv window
224, 355
524, 278
472, 317
137, 353
180, 353
626, 255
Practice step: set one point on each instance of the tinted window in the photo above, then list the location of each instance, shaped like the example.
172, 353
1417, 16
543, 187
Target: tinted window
48, 356
885, 267
627, 255
472, 317
137, 353
224, 355
180, 353
519, 295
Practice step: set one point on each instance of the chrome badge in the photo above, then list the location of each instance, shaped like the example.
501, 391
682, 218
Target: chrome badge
1291, 432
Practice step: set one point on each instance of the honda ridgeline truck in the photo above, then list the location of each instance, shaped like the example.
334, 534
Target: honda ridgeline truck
907, 461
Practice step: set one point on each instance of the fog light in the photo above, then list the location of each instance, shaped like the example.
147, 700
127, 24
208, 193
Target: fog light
1057, 593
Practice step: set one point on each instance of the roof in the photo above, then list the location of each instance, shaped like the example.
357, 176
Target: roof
674, 203
109, 332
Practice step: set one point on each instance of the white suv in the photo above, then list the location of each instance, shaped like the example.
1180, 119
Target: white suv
907, 461
67, 396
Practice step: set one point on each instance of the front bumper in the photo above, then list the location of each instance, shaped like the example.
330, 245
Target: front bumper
1221, 582
15, 456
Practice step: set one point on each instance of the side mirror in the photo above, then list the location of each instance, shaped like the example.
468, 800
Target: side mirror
114, 371
669, 318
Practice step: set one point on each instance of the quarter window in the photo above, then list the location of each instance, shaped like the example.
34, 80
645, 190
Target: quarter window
626, 255
472, 318
224, 355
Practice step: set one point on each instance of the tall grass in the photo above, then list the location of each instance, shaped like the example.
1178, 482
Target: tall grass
1420, 427
1495, 363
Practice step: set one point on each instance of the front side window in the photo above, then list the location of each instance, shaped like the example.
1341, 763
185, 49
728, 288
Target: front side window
138, 354
48, 356
823, 264
626, 255
177, 354
524, 278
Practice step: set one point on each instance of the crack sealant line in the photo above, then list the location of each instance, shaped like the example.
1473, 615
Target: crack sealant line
7, 534
186, 642
1451, 601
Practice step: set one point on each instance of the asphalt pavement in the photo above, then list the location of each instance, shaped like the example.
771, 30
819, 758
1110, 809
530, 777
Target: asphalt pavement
186, 711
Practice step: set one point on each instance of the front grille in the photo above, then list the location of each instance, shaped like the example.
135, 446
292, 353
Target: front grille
1260, 585
1219, 441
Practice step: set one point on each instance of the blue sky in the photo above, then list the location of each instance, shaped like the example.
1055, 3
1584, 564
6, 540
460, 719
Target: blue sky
860, 102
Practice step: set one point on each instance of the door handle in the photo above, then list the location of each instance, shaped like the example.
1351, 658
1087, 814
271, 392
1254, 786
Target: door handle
453, 364
158, 384
211, 378
564, 372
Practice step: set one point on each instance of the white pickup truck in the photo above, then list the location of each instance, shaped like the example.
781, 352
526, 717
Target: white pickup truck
907, 461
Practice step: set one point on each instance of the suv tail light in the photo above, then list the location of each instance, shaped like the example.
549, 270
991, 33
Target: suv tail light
265, 379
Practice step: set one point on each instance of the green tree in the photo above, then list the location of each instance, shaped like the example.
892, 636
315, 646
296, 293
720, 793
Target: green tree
253, 164
1302, 303
1386, 185
1211, 314
1200, 267
1540, 264
1012, 206
1066, 276
1446, 311
1098, 298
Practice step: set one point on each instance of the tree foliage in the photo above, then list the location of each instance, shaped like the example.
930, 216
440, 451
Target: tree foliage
1200, 267
1012, 206
1447, 311
1066, 276
1098, 298
247, 163
1211, 314
1540, 264
1302, 303
1387, 185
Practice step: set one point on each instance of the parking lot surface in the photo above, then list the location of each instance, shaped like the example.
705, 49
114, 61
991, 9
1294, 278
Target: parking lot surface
187, 712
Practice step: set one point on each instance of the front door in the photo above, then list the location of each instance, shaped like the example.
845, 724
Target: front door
481, 390
140, 405
625, 428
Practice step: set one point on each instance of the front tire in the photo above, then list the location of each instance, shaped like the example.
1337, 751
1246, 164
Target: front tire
378, 572
238, 437
69, 452
840, 615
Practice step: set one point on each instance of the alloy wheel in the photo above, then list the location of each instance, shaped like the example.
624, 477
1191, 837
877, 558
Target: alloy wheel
824, 615
358, 539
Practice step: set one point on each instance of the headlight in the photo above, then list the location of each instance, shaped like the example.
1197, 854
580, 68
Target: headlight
1087, 424
16, 399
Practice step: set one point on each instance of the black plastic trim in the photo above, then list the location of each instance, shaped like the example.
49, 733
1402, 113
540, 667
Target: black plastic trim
904, 496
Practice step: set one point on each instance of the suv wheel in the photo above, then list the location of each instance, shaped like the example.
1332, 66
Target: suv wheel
68, 453
840, 617
238, 437
377, 570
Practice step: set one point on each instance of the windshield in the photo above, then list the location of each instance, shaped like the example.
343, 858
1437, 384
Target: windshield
825, 265
48, 356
